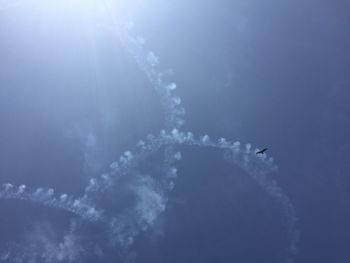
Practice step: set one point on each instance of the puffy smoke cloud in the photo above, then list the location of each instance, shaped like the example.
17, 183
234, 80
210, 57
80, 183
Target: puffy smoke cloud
43, 245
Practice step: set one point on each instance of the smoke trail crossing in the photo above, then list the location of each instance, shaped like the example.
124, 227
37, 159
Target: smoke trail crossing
151, 194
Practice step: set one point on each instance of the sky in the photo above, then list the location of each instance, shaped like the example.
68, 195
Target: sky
75, 95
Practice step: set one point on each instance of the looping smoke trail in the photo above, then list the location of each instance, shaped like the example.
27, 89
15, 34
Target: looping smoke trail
245, 158
150, 194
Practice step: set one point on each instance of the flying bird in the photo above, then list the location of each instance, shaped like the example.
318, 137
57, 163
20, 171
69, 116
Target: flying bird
261, 151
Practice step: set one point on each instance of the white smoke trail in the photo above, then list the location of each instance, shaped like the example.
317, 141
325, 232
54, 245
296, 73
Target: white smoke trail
127, 226
46, 197
148, 62
256, 167
151, 194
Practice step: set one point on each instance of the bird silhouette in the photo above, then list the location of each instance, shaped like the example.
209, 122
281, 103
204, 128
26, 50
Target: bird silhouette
261, 151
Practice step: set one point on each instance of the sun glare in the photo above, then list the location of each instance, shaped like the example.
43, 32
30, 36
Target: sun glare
78, 6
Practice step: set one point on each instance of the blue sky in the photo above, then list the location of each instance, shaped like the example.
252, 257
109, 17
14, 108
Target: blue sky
274, 74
